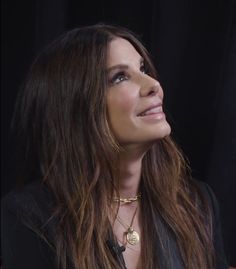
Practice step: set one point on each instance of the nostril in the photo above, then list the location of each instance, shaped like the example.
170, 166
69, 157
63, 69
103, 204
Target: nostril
152, 92
149, 91
151, 87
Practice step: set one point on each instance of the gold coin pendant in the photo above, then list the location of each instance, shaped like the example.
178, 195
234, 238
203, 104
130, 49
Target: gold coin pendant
132, 237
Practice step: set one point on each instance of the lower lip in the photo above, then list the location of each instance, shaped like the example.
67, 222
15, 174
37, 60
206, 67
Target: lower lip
154, 116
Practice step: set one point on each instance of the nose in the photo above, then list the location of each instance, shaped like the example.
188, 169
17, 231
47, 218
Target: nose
149, 86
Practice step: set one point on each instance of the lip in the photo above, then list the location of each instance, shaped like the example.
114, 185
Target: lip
149, 108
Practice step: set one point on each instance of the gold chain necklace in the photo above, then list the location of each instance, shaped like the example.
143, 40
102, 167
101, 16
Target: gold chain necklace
131, 235
127, 200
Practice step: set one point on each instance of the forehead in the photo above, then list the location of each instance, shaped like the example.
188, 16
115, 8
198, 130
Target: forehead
121, 51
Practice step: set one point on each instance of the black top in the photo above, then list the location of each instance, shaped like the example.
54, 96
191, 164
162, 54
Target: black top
23, 248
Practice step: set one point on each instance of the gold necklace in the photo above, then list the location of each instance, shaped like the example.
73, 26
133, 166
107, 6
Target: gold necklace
131, 235
127, 200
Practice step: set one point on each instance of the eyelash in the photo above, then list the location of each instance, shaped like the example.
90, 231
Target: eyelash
122, 76
119, 77
143, 69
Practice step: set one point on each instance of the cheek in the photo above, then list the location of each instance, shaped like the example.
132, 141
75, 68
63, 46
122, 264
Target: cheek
119, 105
125, 105
120, 111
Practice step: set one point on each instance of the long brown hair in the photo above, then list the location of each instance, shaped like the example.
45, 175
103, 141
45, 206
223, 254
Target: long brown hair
62, 116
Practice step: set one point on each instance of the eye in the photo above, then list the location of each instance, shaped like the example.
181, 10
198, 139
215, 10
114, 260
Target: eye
143, 68
119, 77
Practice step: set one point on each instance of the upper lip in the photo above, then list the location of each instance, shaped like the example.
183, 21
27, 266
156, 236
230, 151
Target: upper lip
150, 107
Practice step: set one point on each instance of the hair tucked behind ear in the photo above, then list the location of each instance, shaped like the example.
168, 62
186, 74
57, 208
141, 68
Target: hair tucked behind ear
62, 117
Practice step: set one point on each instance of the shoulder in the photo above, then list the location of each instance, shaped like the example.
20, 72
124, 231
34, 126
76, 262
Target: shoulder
27, 234
32, 201
206, 192
206, 201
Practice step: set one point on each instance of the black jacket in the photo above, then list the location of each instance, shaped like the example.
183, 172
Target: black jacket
23, 248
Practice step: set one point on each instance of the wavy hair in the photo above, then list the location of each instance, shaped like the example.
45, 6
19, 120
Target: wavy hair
62, 117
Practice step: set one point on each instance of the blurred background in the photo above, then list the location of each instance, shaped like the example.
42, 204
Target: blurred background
193, 45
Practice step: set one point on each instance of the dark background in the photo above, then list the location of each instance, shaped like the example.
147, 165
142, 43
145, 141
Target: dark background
193, 44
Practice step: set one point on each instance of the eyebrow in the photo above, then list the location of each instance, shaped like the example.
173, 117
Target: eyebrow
122, 66
118, 66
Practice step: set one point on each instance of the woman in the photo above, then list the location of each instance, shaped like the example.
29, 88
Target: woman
113, 189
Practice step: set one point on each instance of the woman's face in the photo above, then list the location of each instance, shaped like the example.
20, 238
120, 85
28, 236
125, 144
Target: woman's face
134, 99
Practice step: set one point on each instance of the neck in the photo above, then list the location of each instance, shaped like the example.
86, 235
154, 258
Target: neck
130, 171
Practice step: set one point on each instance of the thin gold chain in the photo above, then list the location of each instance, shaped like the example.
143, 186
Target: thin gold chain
132, 220
130, 235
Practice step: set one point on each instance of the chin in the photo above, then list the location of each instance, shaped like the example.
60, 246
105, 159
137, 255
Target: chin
162, 131
144, 134
166, 130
